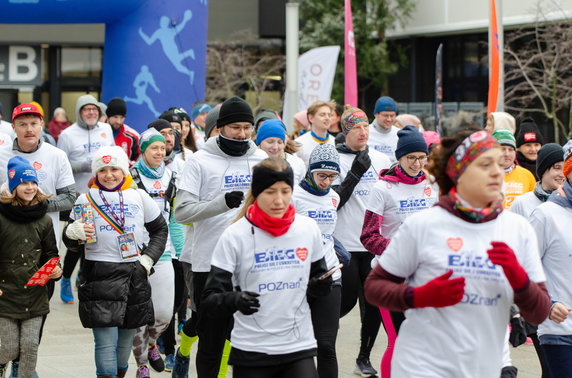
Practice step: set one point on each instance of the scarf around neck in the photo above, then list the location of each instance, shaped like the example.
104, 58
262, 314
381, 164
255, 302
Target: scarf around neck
460, 208
398, 174
24, 214
540, 193
562, 196
147, 171
274, 226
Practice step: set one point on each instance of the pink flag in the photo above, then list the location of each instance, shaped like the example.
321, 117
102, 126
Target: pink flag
350, 76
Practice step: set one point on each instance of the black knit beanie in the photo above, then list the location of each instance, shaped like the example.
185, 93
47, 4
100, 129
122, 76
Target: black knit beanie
171, 116
234, 109
528, 132
548, 155
116, 106
160, 124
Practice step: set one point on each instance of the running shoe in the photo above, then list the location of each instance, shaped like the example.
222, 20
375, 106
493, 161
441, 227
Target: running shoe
143, 372
364, 368
66, 293
181, 367
155, 359
169, 362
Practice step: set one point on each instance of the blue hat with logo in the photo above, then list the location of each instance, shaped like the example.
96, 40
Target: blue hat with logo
410, 140
272, 128
199, 109
19, 171
385, 104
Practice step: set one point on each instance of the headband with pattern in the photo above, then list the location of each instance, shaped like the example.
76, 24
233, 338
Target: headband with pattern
471, 148
352, 119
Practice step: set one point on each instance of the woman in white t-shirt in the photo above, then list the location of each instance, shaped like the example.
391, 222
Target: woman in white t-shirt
403, 190
465, 262
314, 198
262, 269
552, 221
271, 138
124, 237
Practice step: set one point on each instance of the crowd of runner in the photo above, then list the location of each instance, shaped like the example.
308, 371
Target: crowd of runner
251, 242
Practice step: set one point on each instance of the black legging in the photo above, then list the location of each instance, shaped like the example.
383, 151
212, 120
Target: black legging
326, 320
180, 303
302, 368
353, 277
212, 332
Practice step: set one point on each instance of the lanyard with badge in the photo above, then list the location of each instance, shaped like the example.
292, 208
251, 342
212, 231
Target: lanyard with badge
125, 241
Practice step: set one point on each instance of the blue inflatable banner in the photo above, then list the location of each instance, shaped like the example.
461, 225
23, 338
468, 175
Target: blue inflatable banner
154, 53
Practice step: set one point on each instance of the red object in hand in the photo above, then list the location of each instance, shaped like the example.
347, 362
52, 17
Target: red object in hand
503, 255
440, 292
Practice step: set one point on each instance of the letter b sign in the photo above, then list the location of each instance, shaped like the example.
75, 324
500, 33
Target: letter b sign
20, 65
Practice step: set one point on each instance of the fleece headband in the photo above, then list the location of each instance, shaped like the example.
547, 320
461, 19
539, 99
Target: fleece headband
353, 119
263, 178
471, 148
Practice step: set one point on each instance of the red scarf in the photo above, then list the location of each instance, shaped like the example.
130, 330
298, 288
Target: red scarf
274, 226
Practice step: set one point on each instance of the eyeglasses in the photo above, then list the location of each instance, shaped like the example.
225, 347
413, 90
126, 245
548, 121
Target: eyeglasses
412, 159
237, 128
323, 176
90, 109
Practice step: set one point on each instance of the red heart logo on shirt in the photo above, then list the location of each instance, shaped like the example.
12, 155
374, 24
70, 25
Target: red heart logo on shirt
455, 244
427, 191
302, 253
157, 185
335, 202
103, 135
106, 159
1, 142
37, 166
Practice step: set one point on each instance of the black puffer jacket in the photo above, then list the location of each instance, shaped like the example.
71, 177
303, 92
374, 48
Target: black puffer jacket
118, 294
25, 245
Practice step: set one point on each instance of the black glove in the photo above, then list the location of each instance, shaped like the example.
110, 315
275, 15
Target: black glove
234, 199
246, 302
361, 163
319, 288
518, 331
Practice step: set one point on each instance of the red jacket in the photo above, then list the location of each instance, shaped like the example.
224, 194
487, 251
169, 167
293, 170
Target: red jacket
128, 139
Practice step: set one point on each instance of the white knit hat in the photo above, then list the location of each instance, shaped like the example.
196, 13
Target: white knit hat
110, 156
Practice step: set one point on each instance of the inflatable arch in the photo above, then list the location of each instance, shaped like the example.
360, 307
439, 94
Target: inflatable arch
154, 52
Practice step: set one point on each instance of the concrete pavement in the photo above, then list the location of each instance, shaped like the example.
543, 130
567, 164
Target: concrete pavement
67, 348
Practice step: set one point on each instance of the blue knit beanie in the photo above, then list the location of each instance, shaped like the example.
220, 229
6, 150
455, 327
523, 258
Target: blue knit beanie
385, 104
272, 128
199, 109
19, 171
410, 140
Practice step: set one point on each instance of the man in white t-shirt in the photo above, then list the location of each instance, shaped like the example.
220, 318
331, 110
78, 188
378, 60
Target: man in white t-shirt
211, 189
80, 141
320, 115
382, 131
51, 164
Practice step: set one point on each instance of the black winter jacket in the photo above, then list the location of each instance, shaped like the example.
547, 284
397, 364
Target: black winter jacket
118, 294
24, 248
